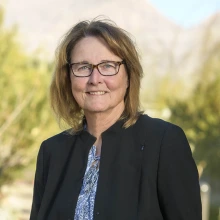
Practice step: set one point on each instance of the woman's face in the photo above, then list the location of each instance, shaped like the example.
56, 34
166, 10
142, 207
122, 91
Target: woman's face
98, 93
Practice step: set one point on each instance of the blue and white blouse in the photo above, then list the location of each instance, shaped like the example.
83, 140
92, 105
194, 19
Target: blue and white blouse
85, 204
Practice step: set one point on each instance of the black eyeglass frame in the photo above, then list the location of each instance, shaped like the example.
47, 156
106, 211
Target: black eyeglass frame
96, 66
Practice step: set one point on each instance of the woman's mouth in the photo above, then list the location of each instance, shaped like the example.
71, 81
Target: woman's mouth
97, 93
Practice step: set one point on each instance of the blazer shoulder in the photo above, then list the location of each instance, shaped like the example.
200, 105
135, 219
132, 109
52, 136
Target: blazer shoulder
155, 129
64, 138
60, 136
156, 124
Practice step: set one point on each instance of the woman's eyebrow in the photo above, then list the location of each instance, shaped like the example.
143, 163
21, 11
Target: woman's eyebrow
86, 62
107, 60
83, 61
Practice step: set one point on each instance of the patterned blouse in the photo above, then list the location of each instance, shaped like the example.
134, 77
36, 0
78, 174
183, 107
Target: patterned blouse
85, 204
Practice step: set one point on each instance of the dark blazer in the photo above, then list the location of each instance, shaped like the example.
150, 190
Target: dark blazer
146, 173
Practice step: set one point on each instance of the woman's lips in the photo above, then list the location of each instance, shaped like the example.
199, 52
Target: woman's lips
96, 93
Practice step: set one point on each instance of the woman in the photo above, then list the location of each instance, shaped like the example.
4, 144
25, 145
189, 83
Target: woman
114, 163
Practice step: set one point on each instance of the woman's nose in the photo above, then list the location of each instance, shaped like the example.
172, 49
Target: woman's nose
95, 77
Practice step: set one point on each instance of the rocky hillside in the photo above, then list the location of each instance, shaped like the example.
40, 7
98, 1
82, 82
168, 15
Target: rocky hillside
165, 47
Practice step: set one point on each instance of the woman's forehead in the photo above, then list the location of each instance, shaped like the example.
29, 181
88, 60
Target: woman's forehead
92, 49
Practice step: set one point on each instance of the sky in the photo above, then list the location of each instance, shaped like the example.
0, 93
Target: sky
187, 12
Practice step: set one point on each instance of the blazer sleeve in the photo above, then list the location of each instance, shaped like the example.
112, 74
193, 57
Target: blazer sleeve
39, 184
178, 181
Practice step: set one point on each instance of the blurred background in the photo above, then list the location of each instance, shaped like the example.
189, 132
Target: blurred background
179, 44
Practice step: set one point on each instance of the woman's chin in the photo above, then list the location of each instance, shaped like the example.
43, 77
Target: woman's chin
96, 109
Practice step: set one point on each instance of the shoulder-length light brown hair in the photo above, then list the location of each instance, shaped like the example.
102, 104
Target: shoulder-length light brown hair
62, 101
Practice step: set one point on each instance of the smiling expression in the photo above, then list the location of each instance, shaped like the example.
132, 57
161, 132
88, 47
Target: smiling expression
97, 93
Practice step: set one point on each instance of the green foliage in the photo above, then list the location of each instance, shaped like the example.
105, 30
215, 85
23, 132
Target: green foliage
25, 117
199, 115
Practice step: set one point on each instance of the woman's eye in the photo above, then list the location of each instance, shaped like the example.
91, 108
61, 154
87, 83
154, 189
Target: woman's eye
108, 65
84, 67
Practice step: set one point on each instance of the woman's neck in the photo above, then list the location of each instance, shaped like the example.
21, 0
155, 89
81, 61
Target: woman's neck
98, 122
96, 125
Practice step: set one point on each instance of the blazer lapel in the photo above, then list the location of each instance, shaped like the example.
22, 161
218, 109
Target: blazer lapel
58, 161
65, 175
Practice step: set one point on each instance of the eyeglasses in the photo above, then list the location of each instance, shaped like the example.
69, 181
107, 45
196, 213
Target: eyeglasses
107, 68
